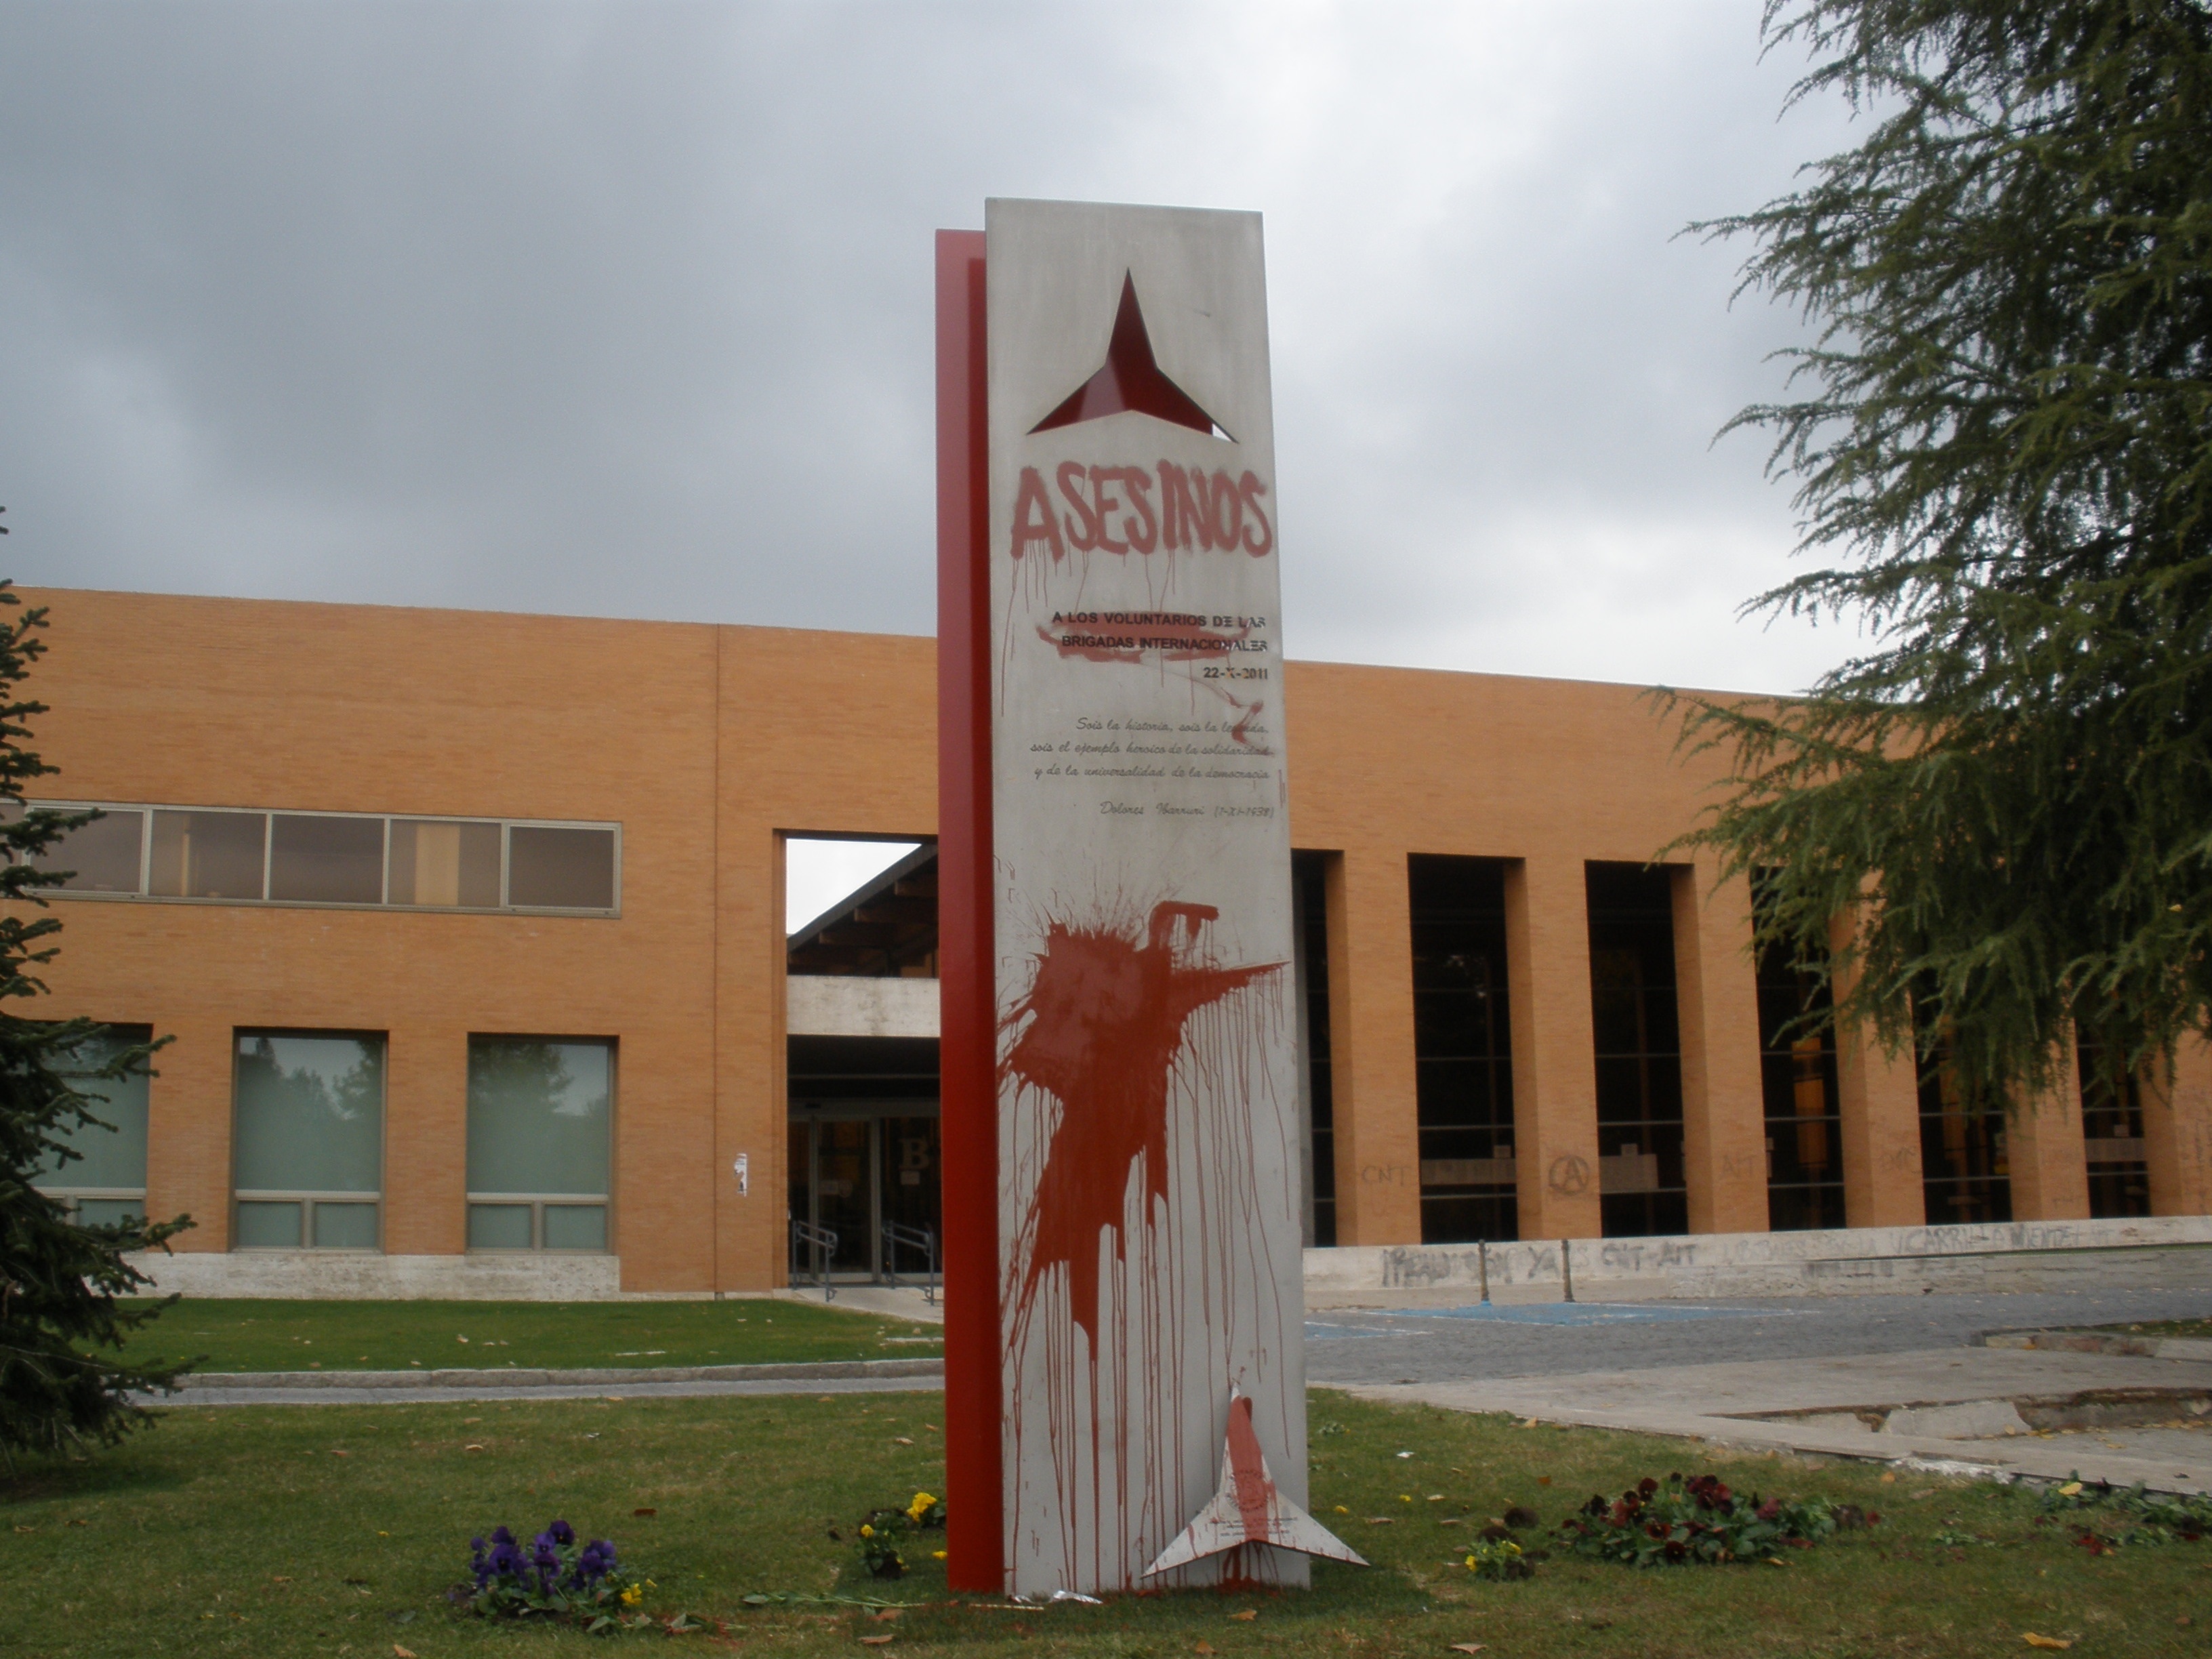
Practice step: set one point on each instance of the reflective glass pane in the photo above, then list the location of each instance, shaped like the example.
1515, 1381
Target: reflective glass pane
269, 1226
207, 854
560, 869
109, 1212
345, 1226
102, 855
310, 1113
540, 1113
445, 863
326, 860
576, 1227
498, 1226
113, 1156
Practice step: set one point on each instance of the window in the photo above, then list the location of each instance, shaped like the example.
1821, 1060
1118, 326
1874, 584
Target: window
208, 855
101, 857
1964, 1172
444, 862
319, 858
1804, 1104
555, 868
233, 856
105, 1182
1638, 1050
1309, 888
541, 1128
307, 1141
1462, 1050
2112, 1137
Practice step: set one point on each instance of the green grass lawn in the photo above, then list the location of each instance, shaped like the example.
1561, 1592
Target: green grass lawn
279, 1531
253, 1335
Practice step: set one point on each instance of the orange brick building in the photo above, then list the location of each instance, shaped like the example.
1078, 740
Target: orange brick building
496, 850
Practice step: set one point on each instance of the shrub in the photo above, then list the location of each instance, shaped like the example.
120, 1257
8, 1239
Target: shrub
551, 1577
1700, 1520
881, 1531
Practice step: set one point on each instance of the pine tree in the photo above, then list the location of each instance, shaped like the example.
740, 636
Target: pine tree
63, 1381
2004, 444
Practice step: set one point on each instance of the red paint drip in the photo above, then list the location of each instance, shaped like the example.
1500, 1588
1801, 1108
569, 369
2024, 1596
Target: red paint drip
1249, 1472
1105, 1017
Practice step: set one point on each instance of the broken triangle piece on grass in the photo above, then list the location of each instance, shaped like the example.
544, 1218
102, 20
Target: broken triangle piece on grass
1248, 1509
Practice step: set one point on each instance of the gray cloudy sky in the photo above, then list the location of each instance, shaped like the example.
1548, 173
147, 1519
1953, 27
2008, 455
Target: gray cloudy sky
625, 308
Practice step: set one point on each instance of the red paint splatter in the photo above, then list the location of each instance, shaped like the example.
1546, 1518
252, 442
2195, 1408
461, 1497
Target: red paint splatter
1102, 1026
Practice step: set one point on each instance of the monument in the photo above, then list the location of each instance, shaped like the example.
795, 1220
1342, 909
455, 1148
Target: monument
1123, 1267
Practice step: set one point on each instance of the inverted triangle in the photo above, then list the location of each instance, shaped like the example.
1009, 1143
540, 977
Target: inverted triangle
1130, 380
1249, 1508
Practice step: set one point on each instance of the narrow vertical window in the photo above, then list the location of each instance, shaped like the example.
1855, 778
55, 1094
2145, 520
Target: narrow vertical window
1803, 1102
2113, 1138
1462, 1050
307, 1141
541, 1130
1638, 1050
1964, 1174
1310, 878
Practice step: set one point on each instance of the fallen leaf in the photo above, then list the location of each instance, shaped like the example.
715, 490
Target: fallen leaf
77, 1523
1466, 1647
341, 1454
398, 1652
885, 1615
1203, 1647
1382, 1520
644, 1514
1341, 1509
1889, 1480
472, 1447
2071, 1489
933, 1428
900, 1440
2035, 1641
1435, 1498
1248, 1614
1543, 1479
874, 1641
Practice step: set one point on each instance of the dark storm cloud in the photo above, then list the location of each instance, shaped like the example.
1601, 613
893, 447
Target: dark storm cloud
627, 309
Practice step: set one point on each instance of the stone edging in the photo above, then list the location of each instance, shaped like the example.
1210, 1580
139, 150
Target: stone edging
2144, 1347
596, 1376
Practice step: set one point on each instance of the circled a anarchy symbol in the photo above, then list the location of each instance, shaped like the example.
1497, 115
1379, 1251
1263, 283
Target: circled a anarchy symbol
1569, 1175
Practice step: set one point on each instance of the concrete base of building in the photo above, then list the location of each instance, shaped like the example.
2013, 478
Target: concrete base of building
363, 1275
2019, 1255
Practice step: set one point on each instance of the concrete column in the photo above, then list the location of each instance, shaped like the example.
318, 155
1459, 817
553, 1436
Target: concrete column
2049, 1165
2177, 1117
1371, 1038
188, 1130
1879, 1099
1716, 993
1554, 1055
426, 1137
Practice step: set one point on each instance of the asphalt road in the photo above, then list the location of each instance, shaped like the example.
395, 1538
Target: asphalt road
1539, 1339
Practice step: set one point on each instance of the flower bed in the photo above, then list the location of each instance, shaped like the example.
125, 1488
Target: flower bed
1700, 1521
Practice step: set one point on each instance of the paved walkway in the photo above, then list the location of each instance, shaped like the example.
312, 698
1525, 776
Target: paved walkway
1813, 1407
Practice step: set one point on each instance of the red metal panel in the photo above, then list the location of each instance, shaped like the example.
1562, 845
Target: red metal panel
967, 1056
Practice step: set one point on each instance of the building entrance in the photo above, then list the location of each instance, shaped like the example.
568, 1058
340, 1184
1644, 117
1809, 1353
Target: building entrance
864, 1193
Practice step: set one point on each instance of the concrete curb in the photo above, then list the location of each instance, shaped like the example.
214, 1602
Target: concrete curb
2142, 1347
596, 1376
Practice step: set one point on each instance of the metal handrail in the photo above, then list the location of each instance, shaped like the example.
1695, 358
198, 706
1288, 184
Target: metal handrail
923, 1239
823, 1243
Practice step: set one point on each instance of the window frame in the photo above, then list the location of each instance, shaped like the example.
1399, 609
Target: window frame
307, 1197
268, 814
72, 1197
538, 1203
